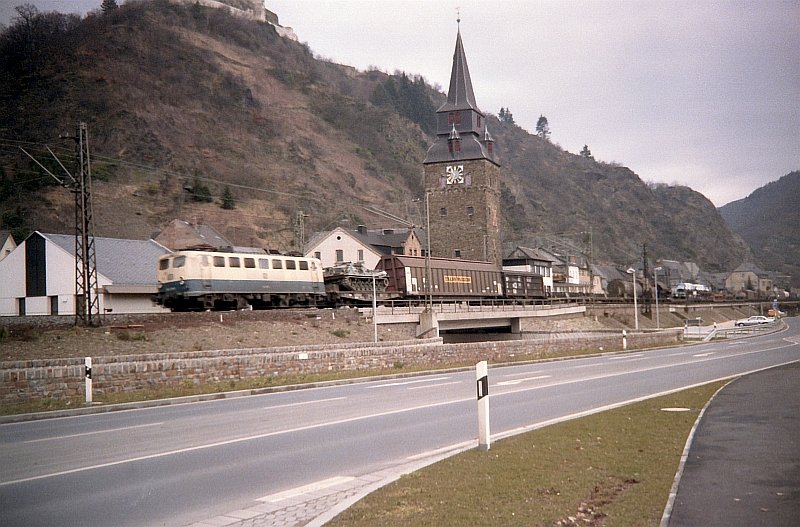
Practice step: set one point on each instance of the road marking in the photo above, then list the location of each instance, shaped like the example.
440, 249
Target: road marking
626, 356
303, 403
517, 381
704, 354
521, 373
433, 385
91, 433
402, 383
306, 489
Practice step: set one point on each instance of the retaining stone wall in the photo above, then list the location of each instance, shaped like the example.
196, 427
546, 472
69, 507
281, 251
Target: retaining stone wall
24, 381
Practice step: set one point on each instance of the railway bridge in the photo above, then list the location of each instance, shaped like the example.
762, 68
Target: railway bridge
518, 317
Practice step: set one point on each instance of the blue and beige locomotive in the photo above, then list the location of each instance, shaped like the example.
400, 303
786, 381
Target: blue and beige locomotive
192, 280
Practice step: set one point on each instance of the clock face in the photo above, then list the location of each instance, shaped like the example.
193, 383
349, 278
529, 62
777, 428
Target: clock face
455, 174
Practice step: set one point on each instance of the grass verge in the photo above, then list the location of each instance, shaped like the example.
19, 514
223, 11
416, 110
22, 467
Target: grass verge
612, 469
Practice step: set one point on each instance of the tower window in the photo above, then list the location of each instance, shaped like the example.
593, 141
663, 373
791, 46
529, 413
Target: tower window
454, 145
443, 212
470, 211
490, 147
454, 118
458, 253
479, 121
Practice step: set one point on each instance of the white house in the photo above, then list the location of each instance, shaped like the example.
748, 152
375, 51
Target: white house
531, 260
38, 277
341, 245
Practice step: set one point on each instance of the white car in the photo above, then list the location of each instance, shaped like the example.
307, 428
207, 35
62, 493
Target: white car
754, 321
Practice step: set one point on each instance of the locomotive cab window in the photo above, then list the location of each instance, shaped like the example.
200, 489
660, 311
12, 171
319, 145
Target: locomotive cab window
163, 264
179, 261
263, 263
233, 261
219, 261
277, 264
250, 263
291, 264
303, 265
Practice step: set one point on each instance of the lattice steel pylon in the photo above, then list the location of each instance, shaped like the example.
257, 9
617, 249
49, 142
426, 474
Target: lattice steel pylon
87, 302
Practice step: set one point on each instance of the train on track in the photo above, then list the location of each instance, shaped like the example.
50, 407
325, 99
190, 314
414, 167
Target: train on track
198, 280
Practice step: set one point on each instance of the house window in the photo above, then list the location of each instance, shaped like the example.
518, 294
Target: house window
219, 261
317, 255
361, 255
443, 212
339, 255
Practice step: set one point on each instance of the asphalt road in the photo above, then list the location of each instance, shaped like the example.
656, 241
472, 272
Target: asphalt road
180, 464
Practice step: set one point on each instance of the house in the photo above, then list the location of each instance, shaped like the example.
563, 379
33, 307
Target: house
181, 234
38, 277
571, 274
749, 277
362, 245
531, 261
7, 244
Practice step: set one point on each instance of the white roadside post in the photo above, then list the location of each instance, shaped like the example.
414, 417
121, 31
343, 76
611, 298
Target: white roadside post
624, 340
482, 375
88, 375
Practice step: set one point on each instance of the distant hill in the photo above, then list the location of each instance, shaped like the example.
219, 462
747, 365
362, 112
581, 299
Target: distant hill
186, 104
769, 221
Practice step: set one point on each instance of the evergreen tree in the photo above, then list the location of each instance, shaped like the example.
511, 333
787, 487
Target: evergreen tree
506, 116
543, 128
200, 192
586, 152
228, 203
108, 5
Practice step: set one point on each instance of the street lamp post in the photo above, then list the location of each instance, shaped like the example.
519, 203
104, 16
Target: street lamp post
655, 280
632, 272
429, 297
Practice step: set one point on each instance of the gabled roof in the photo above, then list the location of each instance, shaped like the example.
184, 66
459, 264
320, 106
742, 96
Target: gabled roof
530, 254
392, 238
121, 261
5, 235
751, 268
319, 237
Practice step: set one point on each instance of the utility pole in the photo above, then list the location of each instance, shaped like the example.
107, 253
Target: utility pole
299, 231
87, 308
87, 302
646, 292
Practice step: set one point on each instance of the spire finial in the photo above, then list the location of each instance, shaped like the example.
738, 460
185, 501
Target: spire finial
458, 17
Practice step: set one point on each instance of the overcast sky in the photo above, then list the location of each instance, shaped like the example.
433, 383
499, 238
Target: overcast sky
698, 93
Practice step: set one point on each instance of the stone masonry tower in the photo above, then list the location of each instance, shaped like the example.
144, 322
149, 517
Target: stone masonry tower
462, 175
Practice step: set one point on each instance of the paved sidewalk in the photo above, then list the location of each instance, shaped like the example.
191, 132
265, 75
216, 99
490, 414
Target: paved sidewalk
743, 467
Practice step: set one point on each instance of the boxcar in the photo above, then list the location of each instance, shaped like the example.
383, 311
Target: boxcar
520, 284
450, 278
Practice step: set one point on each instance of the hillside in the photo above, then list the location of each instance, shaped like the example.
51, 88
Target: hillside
178, 98
768, 221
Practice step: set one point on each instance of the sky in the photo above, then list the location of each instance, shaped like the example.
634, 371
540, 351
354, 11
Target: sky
688, 92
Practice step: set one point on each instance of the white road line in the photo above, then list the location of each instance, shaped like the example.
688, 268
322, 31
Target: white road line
430, 453
110, 430
303, 403
403, 383
704, 354
306, 489
626, 356
521, 373
518, 381
433, 385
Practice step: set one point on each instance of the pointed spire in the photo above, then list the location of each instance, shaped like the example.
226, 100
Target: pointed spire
487, 137
460, 95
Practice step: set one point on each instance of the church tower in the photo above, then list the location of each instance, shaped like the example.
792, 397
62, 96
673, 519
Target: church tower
462, 175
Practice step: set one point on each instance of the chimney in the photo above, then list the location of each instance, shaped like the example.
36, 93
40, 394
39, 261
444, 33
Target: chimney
361, 229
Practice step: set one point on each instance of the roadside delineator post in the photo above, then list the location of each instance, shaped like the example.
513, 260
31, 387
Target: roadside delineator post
624, 340
88, 375
482, 376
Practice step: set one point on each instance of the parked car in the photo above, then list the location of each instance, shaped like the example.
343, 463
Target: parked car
754, 321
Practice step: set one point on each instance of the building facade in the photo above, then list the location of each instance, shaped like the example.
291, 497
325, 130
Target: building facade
462, 175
